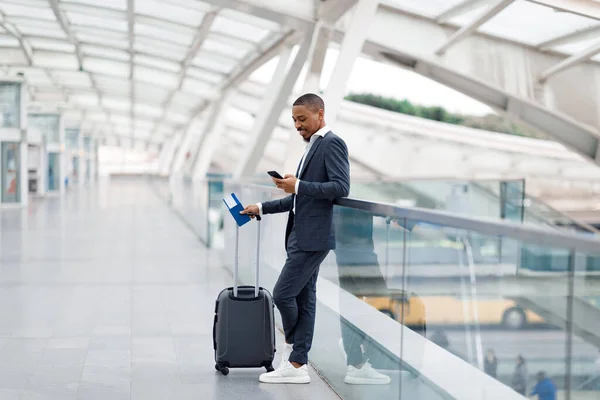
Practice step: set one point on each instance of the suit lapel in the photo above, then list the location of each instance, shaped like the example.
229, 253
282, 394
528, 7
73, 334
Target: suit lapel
312, 151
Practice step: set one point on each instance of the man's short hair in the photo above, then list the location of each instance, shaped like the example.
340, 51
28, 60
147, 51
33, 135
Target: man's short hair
310, 100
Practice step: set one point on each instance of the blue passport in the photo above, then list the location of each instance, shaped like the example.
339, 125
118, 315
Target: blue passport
234, 206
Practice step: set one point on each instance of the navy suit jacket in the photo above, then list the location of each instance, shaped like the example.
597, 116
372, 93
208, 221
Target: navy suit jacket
325, 176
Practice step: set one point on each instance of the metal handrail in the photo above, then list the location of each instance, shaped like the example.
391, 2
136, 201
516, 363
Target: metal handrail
523, 232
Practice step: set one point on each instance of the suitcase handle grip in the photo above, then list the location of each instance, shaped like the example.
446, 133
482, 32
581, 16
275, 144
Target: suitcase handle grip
236, 262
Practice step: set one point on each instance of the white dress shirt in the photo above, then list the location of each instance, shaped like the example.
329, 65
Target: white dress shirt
321, 132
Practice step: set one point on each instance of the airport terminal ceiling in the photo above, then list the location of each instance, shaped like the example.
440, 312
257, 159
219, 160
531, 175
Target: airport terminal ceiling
146, 68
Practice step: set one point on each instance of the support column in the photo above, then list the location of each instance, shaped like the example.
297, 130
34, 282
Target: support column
350, 50
170, 150
24, 167
276, 99
92, 156
42, 172
62, 157
312, 84
210, 138
184, 148
81, 160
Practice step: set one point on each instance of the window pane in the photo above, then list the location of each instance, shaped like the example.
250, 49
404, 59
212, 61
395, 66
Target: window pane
85, 99
115, 4
46, 124
158, 63
250, 19
163, 34
238, 29
214, 63
232, 41
156, 77
83, 19
51, 44
43, 32
106, 67
9, 41
171, 12
216, 47
90, 38
92, 50
204, 75
532, 23
10, 94
32, 12
173, 53
55, 60
148, 110
73, 79
72, 138
151, 93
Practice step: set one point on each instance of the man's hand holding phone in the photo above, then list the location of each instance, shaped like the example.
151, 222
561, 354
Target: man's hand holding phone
287, 183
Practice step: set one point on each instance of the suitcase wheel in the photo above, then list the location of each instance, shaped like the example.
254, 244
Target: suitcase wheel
222, 369
270, 368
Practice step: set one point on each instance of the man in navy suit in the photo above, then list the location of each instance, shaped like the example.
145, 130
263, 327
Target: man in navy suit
323, 175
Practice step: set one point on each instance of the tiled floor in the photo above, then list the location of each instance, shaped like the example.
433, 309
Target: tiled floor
105, 294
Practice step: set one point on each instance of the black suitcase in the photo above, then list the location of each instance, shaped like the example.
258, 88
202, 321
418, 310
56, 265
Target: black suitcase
244, 324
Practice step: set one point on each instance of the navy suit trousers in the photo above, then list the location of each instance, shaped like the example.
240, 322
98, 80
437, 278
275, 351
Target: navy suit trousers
295, 295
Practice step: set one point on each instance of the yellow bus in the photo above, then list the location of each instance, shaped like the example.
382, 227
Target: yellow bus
450, 310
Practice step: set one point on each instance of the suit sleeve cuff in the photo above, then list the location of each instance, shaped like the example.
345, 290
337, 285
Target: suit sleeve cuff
297, 186
259, 205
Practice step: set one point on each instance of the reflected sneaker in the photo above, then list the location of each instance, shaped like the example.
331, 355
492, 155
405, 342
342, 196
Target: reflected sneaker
365, 376
285, 353
286, 373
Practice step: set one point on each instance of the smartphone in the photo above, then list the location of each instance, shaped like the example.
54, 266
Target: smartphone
275, 174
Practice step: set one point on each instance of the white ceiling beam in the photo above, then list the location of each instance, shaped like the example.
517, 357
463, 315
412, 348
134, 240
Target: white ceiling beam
201, 35
292, 14
64, 23
571, 61
585, 8
468, 29
331, 11
25, 46
574, 37
460, 9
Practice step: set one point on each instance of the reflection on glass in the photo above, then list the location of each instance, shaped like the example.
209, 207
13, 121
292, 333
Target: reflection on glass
10, 95
505, 320
46, 124
53, 171
11, 185
585, 371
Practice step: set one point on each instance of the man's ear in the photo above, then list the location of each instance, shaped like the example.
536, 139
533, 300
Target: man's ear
321, 113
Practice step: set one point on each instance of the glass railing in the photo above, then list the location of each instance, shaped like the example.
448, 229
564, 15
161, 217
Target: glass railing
427, 304
485, 198
427, 297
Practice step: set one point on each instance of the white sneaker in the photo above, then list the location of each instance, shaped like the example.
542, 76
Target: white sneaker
286, 353
365, 376
286, 373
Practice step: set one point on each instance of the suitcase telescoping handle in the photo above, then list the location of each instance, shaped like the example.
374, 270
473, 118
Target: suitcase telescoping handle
236, 263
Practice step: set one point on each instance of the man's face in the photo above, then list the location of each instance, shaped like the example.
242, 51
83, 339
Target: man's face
307, 120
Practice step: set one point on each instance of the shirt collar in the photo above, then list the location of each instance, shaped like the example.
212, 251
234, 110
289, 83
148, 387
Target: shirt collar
321, 132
